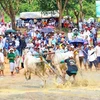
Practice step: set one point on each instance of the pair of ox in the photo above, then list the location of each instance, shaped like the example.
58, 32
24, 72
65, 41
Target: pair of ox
38, 65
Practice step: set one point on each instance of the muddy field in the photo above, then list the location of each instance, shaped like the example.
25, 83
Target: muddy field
87, 87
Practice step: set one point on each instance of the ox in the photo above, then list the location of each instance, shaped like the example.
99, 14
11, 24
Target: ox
58, 68
33, 65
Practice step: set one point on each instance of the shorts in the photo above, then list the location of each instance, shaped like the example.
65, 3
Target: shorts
93, 62
12, 66
70, 74
98, 59
85, 61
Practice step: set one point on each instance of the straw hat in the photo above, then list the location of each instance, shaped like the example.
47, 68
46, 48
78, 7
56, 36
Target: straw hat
11, 49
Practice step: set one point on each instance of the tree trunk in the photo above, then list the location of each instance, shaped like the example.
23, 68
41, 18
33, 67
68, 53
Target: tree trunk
77, 17
67, 12
81, 10
13, 22
61, 8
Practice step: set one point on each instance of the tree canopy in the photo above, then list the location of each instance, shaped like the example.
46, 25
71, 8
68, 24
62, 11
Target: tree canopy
12, 8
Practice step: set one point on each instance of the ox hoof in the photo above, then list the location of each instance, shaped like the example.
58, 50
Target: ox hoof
28, 78
28, 75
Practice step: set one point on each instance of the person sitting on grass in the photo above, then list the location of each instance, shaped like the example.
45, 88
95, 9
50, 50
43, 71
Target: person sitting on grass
72, 67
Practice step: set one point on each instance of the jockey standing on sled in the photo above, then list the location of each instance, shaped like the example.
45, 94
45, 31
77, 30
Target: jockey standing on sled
72, 67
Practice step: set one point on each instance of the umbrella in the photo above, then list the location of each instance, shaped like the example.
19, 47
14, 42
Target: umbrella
77, 40
50, 26
10, 31
47, 30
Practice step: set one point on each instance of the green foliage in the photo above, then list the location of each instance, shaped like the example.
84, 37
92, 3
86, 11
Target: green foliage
65, 30
48, 5
7, 19
27, 7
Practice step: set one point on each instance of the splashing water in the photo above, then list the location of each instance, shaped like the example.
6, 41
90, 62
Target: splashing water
88, 79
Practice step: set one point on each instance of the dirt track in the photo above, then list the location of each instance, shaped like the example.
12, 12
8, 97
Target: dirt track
87, 87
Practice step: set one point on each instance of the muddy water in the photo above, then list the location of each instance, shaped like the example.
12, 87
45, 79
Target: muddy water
87, 87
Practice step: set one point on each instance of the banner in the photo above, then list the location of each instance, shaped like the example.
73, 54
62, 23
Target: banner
97, 8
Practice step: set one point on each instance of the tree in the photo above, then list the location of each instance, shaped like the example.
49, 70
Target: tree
53, 5
73, 7
61, 4
81, 10
47, 5
89, 8
77, 16
11, 8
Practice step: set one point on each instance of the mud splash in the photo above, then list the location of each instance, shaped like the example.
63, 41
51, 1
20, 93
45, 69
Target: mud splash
86, 79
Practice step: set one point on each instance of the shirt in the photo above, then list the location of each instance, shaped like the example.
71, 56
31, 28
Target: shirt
80, 54
1, 45
97, 51
1, 57
71, 65
70, 36
11, 57
92, 55
16, 52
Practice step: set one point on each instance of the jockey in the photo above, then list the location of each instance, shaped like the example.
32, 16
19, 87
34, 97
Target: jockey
72, 67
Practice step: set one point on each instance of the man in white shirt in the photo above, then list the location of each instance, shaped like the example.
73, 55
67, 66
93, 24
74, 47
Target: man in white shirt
1, 43
93, 30
16, 43
92, 57
1, 63
81, 35
87, 35
97, 48
70, 35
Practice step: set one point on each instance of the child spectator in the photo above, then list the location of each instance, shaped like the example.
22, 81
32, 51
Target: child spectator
11, 57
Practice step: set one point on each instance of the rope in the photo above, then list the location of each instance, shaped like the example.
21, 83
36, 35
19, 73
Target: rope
52, 68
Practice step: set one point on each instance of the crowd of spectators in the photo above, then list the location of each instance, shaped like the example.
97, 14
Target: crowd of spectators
39, 39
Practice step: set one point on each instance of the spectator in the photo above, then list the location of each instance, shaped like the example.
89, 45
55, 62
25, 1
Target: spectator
11, 57
85, 52
1, 63
22, 45
98, 54
92, 57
